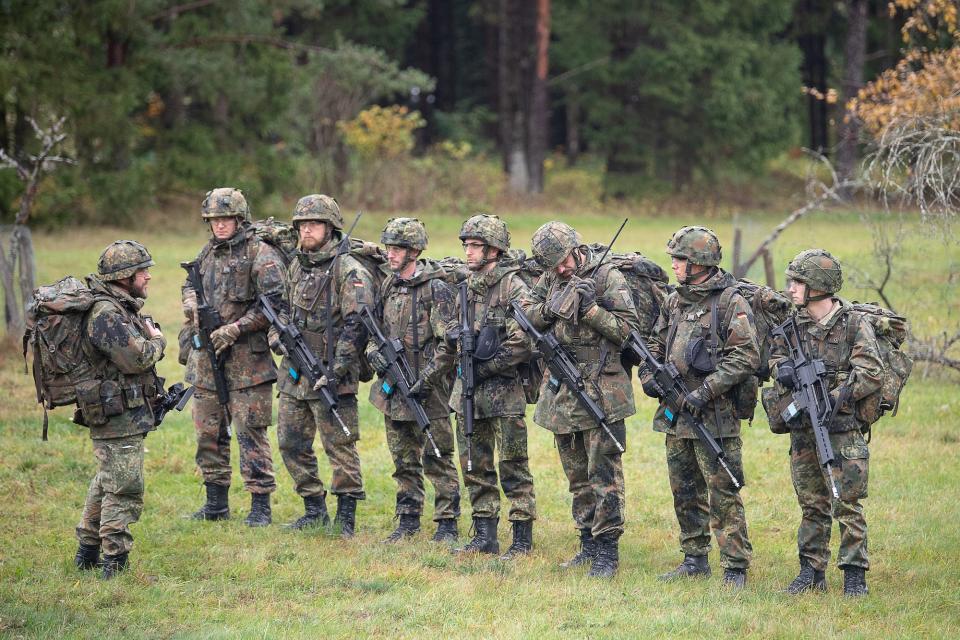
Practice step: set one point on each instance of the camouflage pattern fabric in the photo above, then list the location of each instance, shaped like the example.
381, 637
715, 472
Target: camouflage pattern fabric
704, 498
115, 497
235, 272
412, 460
508, 437
122, 259
251, 410
404, 232
299, 420
319, 208
594, 470
225, 202
738, 353
698, 245
487, 228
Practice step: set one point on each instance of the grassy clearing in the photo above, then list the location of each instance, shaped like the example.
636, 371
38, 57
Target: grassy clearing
223, 580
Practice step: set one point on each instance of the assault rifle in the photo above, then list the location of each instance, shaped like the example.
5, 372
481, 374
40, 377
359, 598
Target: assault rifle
175, 397
466, 370
305, 363
811, 395
670, 380
399, 375
209, 320
563, 370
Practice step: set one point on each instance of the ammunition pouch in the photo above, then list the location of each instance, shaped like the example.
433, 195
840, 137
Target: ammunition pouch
698, 357
488, 341
744, 397
774, 404
100, 400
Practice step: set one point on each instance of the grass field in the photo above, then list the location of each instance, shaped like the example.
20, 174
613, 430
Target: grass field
206, 580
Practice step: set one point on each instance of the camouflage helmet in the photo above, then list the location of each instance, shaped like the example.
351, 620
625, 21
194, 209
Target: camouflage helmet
225, 202
817, 269
404, 232
122, 259
319, 208
697, 245
553, 242
489, 228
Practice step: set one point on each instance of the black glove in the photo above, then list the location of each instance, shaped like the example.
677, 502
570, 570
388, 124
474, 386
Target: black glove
785, 373
652, 388
421, 389
694, 402
588, 294
378, 362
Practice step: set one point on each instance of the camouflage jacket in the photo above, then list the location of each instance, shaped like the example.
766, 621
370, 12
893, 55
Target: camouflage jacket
235, 272
687, 316
312, 302
593, 340
846, 343
126, 358
435, 304
500, 393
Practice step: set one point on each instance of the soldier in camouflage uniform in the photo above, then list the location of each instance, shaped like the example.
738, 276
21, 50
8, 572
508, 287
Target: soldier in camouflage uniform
125, 347
324, 295
236, 267
417, 306
598, 323
713, 361
499, 401
846, 343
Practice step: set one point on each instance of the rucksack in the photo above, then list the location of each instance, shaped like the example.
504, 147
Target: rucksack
891, 331
56, 335
456, 271
648, 283
279, 235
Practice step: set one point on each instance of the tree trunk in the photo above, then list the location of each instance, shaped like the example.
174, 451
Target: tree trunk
539, 109
813, 18
11, 310
573, 125
855, 52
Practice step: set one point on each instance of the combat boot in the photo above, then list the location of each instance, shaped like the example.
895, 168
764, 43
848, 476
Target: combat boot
809, 579
88, 556
484, 537
588, 550
216, 507
854, 581
522, 543
346, 515
734, 578
315, 513
259, 515
691, 567
446, 531
409, 526
607, 560
113, 565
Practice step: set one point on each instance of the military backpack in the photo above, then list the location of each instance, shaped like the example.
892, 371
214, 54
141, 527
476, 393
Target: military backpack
891, 331
279, 235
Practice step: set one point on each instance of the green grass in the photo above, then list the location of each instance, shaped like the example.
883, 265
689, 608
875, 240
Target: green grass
222, 580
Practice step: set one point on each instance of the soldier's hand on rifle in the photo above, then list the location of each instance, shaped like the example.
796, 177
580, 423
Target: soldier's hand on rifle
225, 336
324, 381
277, 347
190, 307
785, 373
695, 401
588, 294
651, 387
152, 330
378, 362
421, 388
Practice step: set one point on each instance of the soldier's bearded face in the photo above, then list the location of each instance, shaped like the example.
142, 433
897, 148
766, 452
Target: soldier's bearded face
397, 257
138, 284
313, 234
567, 267
223, 228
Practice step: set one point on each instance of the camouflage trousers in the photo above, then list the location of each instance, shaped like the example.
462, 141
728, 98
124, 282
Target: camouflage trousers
508, 435
251, 412
115, 497
816, 503
705, 498
297, 426
413, 458
594, 469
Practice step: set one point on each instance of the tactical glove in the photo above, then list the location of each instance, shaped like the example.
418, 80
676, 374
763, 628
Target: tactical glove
652, 388
421, 389
588, 294
785, 373
190, 307
224, 337
378, 362
696, 400
324, 381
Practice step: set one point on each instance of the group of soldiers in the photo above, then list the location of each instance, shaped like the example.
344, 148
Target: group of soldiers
582, 300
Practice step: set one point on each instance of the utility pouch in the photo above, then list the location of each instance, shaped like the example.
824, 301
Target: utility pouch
698, 357
772, 405
111, 397
89, 403
488, 341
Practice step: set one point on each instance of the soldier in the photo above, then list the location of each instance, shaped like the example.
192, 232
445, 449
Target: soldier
499, 401
125, 349
845, 341
417, 307
324, 294
235, 267
590, 310
710, 337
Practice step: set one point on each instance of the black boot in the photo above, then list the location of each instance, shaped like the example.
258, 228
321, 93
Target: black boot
409, 526
216, 507
259, 515
588, 549
691, 567
522, 543
734, 578
446, 531
854, 581
607, 560
809, 579
315, 513
484, 538
113, 565
88, 556
346, 515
